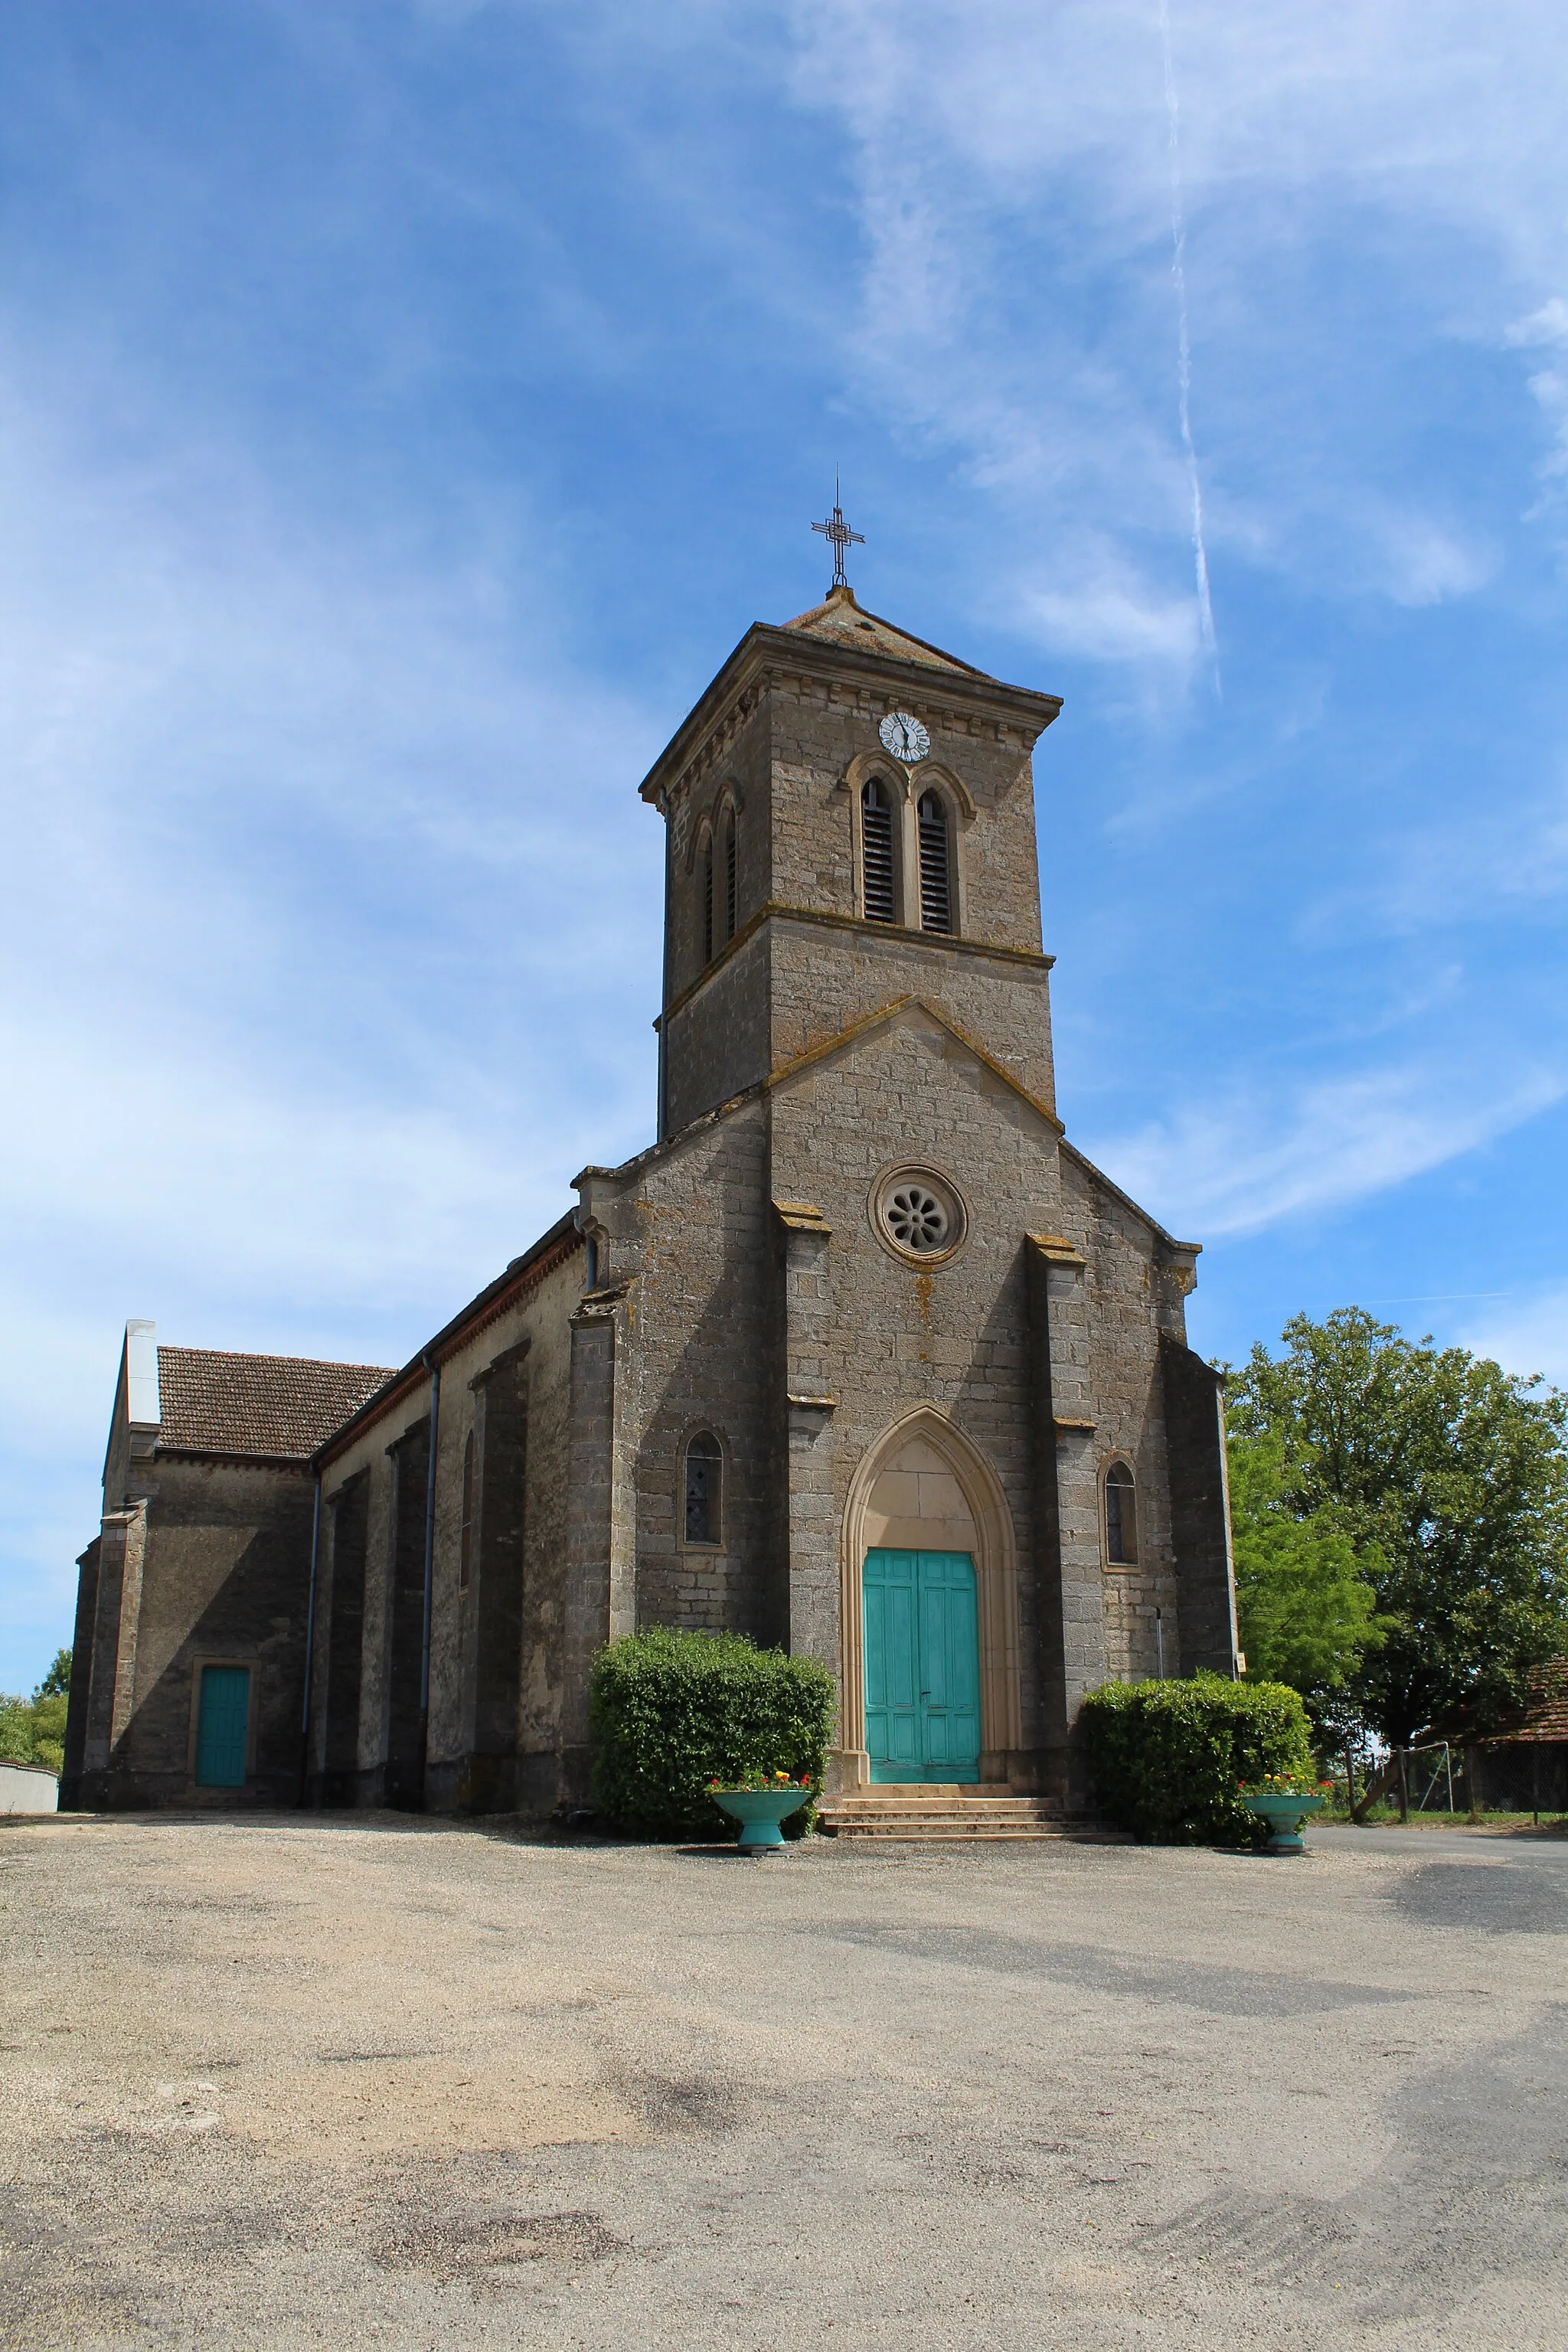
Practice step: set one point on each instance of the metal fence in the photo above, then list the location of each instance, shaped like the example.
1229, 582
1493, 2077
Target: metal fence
1505, 1776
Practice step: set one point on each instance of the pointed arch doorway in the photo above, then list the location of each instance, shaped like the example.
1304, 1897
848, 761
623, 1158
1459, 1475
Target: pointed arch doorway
929, 1611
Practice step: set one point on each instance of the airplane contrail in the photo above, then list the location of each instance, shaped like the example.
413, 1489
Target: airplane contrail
1184, 349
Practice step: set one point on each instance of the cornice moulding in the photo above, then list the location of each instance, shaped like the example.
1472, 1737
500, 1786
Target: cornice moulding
766, 656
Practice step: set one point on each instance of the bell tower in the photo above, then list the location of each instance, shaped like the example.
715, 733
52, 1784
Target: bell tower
850, 821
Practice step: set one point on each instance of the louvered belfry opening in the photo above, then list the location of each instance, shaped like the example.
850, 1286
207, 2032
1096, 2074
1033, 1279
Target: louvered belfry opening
708, 901
936, 889
729, 875
877, 852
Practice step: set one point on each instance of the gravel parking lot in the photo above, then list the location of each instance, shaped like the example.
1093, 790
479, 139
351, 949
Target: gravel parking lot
366, 2080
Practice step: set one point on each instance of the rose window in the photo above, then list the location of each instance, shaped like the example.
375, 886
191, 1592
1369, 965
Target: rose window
915, 1218
916, 1213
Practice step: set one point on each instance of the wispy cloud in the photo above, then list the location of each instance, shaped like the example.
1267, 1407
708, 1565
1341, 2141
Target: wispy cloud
1239, 1164
1110, 612
316, 982
1013, 162
1528, 1335
1547, 330
1185, 344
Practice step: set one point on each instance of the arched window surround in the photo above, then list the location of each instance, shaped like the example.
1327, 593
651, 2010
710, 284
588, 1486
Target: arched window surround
905, 791
702, 1448
711, 858
1119, 1514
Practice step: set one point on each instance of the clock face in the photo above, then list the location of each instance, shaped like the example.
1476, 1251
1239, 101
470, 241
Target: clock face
904, 737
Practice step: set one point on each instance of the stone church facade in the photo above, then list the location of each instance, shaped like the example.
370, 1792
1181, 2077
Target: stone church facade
860, 1358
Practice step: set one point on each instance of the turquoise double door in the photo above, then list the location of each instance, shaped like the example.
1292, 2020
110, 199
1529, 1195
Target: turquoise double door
922, 1665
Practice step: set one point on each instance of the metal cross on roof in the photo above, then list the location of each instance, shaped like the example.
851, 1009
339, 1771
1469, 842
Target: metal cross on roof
839, 533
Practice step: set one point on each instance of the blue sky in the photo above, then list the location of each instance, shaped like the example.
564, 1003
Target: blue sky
403, 408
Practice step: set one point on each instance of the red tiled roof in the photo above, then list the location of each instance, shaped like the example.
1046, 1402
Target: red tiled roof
1546, 1712
1542, 1716
279, 1406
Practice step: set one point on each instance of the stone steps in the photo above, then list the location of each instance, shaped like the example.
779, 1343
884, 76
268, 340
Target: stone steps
930, 1815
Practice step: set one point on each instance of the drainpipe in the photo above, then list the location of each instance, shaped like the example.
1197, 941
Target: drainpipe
309, 1642
430, 1573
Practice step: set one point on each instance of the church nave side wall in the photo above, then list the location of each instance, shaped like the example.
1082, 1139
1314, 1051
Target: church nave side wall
690, 1230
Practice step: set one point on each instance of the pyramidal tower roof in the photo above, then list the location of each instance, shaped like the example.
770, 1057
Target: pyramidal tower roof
843, 622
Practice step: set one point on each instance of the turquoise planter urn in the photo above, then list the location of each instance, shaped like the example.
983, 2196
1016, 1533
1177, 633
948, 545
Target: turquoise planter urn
759, 1813
1285, 1815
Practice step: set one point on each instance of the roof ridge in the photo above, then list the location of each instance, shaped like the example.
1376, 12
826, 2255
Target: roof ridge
266, 1356
842, 602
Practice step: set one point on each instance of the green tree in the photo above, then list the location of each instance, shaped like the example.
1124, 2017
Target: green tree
1306, 1606
1450, 1478
16, 1729
57, 1683
33, 1731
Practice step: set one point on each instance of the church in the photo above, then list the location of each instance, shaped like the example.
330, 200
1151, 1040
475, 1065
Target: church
860, 1358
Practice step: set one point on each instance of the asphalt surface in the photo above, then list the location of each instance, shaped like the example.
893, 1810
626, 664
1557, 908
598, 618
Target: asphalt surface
373, 2081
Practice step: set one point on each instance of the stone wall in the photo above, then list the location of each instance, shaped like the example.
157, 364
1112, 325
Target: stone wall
691, 1228
1194, 1419
797, 983
740, 779
497, 1665
210, 1563
1129, 1300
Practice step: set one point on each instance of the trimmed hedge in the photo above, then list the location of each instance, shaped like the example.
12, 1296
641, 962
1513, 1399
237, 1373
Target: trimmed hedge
670, 1712
1167, 1756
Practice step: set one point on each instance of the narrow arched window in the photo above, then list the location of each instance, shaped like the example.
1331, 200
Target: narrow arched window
708, 899
704, 1472
936, 887
1120, 1517
877, 852
729, 874
465, 1539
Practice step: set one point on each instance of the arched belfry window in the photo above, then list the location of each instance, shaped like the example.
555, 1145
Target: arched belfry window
936, 880
730, 874
1120, 1517
708, 897
704, 1483
879, 888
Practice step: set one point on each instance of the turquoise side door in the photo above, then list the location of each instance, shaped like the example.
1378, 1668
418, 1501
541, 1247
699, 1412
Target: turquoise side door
922, 1665
222, 1726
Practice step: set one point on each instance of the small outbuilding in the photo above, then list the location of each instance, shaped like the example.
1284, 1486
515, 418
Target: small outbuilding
1518, 1764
